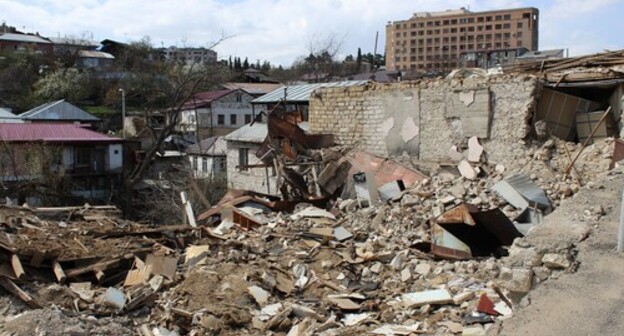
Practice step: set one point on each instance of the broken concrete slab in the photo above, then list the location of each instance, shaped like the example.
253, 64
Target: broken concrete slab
466, 170
260, 295
341, 234
417, 299
394, 329
475, 150
113, 297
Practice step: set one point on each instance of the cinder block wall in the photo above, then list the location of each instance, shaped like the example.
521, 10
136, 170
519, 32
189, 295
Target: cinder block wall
424, 119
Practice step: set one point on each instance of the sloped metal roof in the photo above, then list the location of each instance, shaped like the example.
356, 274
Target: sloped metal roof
255, 133
300, 93
23, 38
213, 146
51, 133
58, 110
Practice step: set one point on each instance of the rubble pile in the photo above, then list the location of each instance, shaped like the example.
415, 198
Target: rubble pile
385, 250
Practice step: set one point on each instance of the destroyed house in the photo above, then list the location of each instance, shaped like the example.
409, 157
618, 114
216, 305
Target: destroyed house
242, 146
567, 99
92, 161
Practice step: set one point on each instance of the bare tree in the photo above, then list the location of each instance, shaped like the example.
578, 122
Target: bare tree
162, 87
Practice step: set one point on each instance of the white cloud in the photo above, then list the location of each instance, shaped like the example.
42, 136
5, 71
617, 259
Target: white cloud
277, 30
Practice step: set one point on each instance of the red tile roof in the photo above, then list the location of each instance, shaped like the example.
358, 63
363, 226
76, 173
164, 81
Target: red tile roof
51, 133
203, 98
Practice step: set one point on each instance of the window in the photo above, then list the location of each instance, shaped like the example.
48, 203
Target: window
506, 25
507, 17
83, 156
243, 158
205, 165
519, 34
519, 25
480, 19
232, 119
471, 20
247, 118
239, 97
220, 119
498, 17
498, 26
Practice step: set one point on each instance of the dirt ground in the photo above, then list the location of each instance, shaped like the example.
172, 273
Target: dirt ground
587, 302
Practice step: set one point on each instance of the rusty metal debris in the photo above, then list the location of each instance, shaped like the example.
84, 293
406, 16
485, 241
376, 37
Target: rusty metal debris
465, 232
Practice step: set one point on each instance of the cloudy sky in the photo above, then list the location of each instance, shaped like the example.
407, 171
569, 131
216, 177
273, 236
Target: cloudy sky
282, 30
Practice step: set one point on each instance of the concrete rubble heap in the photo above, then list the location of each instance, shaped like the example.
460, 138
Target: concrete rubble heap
345, 269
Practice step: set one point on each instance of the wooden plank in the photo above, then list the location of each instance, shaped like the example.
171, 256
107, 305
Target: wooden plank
17, 266
58, 271
12, 288
101, 266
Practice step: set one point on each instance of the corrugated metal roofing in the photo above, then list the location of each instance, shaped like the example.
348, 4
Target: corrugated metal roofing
58, 110
23, 38
253, 88
51, 133
301, 93
255, 133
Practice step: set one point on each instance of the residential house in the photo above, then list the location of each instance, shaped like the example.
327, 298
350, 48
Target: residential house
69, 46
94, 60
294, 97
93, 161
20, 42
208, 158
242, 145
254, 89
254, 76
59, 111
7, 117
216, 113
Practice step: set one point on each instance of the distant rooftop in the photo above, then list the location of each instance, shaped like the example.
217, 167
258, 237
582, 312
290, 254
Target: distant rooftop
253, 88
56, 111
539, 54
301, 93
68, 40
213, 146
27, 38
51, 133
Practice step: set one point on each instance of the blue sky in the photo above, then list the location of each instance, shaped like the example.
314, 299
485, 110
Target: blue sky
282, 30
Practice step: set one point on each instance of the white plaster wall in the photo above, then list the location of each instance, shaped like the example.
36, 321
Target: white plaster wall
252, 179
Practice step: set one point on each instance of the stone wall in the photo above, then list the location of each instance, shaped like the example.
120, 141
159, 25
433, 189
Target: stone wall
424, 119
252, 178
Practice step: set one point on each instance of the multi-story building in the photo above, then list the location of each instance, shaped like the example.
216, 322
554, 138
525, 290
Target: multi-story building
190, 55
436, 42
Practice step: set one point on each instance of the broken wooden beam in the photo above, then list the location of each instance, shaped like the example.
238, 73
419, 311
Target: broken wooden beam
58, 271
17, 266
14, 289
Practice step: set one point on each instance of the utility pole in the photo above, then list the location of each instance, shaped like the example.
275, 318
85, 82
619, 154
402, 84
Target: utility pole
123, 113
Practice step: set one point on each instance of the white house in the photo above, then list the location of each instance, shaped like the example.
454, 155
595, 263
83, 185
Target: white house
208, 158
242, 145
216, 113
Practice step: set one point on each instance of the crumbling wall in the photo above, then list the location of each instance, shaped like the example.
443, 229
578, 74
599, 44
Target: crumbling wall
247, 179
425, 119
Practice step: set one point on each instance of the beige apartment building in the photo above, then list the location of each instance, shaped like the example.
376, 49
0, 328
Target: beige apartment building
437, 42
